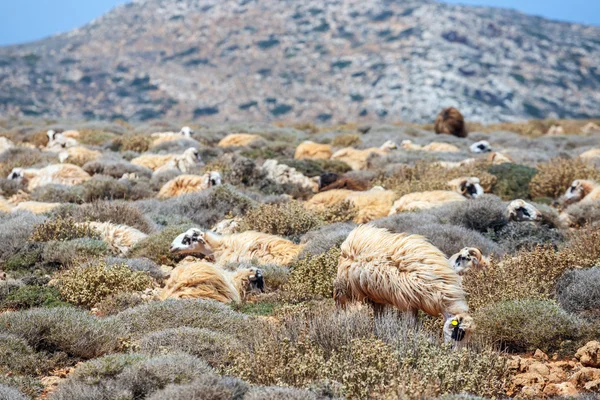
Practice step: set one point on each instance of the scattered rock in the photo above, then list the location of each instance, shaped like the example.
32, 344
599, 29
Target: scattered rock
560, 389
589, 355
540, 355
585, 375
539, 368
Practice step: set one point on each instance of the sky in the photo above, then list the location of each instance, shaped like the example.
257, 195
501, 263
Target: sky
28, 20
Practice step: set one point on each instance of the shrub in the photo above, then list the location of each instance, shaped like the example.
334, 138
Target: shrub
31, 387
112, 211
115, 169
313, 276
138, 264
481, 214
579, 291
583, 248
65, 329
555, 177
526, 325
135, 143
337, 166
94, 137
54, 193
340, 212
156, 247
62, 229
10, 187
583, 213
205, 344
308, 168
285, 219
87, 285
207, 386
17, 357
517, 236
25, 259
121, 301
60, 254
32, 296
512, 180
11, 393
17, 227
325, 237
22, 157
346, 140
103, 188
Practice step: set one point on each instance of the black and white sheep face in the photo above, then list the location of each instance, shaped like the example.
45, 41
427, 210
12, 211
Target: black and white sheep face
16, 174
186, 131
466, 259
471, 188
482, 146
458, 329
257, 280
519, 210
214, 179
191, 241
51, 135
574, 193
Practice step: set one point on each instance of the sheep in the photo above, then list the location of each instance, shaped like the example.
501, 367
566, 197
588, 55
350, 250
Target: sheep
238, 140
163, 137
5, 144
404, 271
425, 200
184, 184
483, 146
519, 210
581, 190
202, 280
358, 159
240, 247
78, 155
370, 205
451, 122
63, 174
453, 164
468, 187
227, 226
467, 259
309, 150
590, 128
35, 207
156, 161
555, 130
498, 158
119, 237
182, 162
283, 174
331, 180
434, 147
5, 205
58, 141
590, 155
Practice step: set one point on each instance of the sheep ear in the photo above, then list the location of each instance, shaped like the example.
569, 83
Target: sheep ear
463, 186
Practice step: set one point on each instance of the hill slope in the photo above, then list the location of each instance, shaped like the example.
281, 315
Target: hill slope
312, 60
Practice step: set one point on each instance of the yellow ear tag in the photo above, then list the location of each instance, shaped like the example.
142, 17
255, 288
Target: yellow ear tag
454, 322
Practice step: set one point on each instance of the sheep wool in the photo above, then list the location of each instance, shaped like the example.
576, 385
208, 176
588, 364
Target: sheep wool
451, 122
425, 200
358, 159
238, 140
309, 150
120, 237
35, 207
184, 184
370, 205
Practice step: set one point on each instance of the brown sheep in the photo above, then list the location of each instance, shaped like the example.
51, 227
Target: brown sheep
309, 150
184, 184
330, 181
433, 147
239, 140
581, 190
35, 207
425, 200
202, 280
163, 137
469, 187
404, 271
119, 237
240, 247
451, 122
63, 174
370, 205
78, 155
498, 158
467, 259
358, 159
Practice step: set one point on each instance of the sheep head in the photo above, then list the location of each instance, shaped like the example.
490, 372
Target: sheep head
192, 154
388, 146
458, 328
483, 146
467, 258
519, 210
327, 179
577, 191
468, 187
195, 241
16, 174
212, 178
186, 131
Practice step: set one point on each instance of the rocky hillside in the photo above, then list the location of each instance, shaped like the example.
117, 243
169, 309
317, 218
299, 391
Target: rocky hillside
324, 61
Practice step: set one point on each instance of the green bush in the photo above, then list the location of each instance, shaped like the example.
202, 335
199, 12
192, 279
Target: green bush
89, 284
72, 252
312, 277
19, 358
32, 296
121, 301
62, 229
156, 247
137, 143
346, 140
25, 259
289, 219
207, 386
512, 180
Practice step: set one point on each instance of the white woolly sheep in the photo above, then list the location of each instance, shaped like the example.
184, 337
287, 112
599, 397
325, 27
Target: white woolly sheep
433, 147
182, 162
309, 150
35, 207
240, 247
467, 259
58, 141
404, 271
163, 137
581, 190
227, 226
425, 200
519, 210
63, 174
119, 237
498, 158
184, 184
202, 280
358, 159
455, 164
78, 155
5, 144
239, 139
483, 146
284, 174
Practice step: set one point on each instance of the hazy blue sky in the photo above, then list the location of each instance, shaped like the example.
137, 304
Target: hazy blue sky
27, 20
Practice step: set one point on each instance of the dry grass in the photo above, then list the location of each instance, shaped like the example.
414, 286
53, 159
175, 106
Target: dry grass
555, 177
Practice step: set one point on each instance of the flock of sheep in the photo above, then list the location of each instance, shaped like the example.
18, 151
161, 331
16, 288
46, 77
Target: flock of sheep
376, 266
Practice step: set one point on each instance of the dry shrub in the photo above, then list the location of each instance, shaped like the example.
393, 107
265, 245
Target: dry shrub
583, 248
285, 219
121, 301
555, 177
20, 157
62, 229
103, 188
135, 143
111, 211
340, 212
346, 140
312, 277
94, 137
579, 291
156, 247
532, 128
89, 284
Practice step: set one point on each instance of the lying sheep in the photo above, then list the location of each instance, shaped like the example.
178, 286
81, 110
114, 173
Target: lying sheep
155, 161
239, 140
184, 184
498, 158
590, 155
467, 259
247, 246
182, 162
468, 187
63, 174
5, 205
451, 122
163, 137
331, 180
581, 190
78, 155
519, 210
404, 271
35, 207
227, 226
455, 164
434, 147
358, 159
425, 200
58, 141
283, 174
309, 150
120, 238
202, 280
5, 144
483, 146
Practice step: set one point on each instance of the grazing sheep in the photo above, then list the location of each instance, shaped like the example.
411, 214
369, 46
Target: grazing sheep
183, 162
247, 246
590, 127
184, 184
284, 174
163, 137
155, 161
35, 207
498, 158
370, 205
78, 155
309, 150
63, 174
119, 237
239, 140
581, 190
227, 226
434, 147
466, 259
451, 122
425, 200
5, 144
468, 187
202, 280
404, 271
519, 210
358, 159
483, 146
331, 180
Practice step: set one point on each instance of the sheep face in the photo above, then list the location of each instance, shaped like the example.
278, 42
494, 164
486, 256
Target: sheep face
214, 179
192, 154
468, 187
186, 131
16, 174
51, 135
574, 193
458, 328
467, 258
482, 146
389, 145
519, 210
191, 241
256, 279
